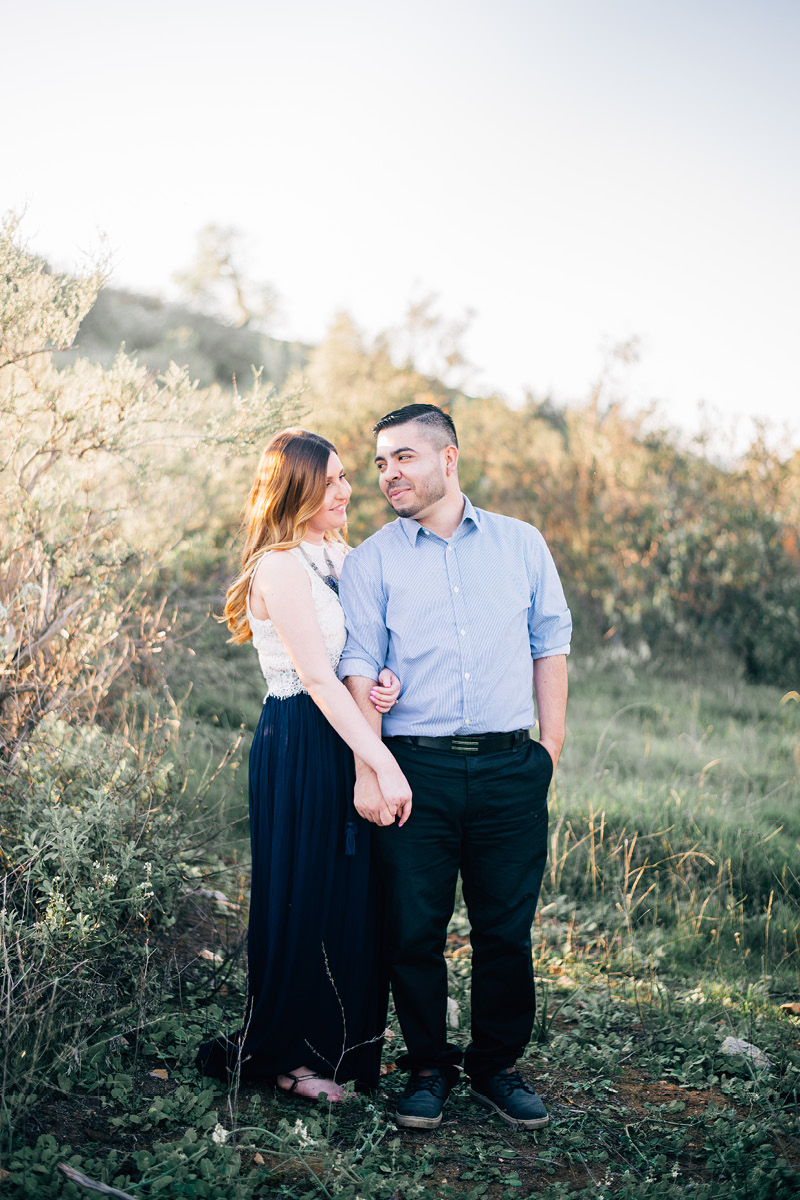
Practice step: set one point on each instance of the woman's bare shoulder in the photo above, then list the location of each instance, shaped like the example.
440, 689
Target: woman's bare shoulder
279, 566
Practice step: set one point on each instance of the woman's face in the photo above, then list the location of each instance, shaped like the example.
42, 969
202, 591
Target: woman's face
332, 513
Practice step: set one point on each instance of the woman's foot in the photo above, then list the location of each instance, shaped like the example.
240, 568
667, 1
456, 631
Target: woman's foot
304, 1082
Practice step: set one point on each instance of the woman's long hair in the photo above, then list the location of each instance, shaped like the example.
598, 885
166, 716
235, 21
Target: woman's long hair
289, 488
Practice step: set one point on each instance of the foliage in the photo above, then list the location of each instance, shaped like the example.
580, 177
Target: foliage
189, 1166
657, 544
660, 546
100, 484
96, 854
108, 476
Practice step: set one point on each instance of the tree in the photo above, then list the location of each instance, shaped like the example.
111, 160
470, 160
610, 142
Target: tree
431, 344
217, 283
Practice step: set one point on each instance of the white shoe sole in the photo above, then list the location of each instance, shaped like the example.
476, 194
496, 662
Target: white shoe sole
533, 1123
410, 1122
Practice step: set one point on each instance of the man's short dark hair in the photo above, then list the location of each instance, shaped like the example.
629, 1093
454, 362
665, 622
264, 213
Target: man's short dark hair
438, 424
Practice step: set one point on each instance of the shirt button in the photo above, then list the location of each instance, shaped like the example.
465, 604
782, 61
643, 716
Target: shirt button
463, 632
468, 722
455, 589
466, 674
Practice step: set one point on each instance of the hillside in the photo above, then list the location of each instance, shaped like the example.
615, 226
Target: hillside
157, 332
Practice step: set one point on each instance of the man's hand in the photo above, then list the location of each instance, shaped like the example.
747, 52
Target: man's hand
369, 800
553, 749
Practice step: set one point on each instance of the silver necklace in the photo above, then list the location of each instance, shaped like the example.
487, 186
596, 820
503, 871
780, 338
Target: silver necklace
330, 579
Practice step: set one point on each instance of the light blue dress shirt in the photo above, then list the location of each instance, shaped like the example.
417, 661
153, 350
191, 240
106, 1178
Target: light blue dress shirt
459, 620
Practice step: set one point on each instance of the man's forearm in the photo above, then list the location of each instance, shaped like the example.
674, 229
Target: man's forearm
360, 688
550, 682
368, 798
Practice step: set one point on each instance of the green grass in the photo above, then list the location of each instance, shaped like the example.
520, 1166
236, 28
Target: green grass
676, 814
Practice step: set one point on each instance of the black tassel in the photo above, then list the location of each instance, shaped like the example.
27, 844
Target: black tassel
350, 837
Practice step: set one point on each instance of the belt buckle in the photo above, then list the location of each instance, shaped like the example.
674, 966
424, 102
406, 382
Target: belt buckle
464, 745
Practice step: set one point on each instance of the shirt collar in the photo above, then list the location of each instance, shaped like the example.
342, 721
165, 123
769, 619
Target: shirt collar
412, 528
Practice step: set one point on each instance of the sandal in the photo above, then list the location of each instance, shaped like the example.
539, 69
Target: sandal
296, 1079
299, 1079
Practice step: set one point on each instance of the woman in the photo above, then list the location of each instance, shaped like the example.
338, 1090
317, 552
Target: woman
314, 1017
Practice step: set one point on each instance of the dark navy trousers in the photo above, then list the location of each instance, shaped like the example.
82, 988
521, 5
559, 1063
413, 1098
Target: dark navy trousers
485, 815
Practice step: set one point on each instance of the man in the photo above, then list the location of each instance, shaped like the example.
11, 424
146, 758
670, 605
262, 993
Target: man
466, 607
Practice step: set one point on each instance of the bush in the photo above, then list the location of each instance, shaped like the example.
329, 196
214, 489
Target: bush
101, 486
95, 859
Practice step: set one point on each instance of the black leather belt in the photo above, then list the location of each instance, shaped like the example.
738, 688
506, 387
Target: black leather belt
475, 743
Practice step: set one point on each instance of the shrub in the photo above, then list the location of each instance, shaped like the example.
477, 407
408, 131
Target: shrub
100, 486
95, 858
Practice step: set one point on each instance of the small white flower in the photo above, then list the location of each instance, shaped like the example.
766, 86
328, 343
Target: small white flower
109, 880
219, 1134
301, 1133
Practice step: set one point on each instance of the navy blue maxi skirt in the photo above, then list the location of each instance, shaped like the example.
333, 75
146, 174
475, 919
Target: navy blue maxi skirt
313, 991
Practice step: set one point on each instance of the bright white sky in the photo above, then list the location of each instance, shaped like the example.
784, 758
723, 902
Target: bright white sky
576, 171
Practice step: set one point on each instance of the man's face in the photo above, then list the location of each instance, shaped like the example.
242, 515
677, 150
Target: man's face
412, 470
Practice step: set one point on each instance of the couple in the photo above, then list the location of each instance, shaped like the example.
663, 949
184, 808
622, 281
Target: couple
445, 621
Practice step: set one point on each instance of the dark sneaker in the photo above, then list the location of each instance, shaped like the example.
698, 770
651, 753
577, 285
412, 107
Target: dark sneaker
421, 1104
512, 1098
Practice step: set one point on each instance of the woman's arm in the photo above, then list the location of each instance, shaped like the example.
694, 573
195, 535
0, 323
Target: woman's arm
282, 589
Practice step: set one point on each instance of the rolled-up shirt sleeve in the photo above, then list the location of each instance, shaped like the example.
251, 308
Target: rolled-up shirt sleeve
549, 618
364, 608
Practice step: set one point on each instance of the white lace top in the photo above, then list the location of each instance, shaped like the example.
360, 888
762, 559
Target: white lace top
282, 679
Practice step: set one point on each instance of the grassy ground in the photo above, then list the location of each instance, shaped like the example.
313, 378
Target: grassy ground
669, 920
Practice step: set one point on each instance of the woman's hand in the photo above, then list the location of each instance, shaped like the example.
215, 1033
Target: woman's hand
396, 793
386, 691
